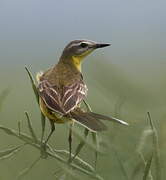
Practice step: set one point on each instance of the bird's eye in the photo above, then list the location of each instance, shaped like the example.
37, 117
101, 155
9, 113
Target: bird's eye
83, 45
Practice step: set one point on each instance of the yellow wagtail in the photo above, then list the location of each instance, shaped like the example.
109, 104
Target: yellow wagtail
62, 89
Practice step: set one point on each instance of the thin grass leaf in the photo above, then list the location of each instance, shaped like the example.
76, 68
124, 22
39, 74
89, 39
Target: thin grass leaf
141, 163
33, 84
80, 145
144, 164
96, 142
83, 141
147, 168
30, 127
88, 142
42, 116
22, 136
94, 135
80, 166
27, 170
7, 153
89, 109
155, 149
43, 145
78, 161
77, 164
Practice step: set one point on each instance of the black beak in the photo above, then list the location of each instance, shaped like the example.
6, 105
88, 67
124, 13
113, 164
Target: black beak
101, 45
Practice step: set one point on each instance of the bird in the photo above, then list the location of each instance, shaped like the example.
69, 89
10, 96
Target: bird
62, 89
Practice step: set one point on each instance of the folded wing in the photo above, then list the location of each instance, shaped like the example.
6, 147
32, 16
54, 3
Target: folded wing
64, 99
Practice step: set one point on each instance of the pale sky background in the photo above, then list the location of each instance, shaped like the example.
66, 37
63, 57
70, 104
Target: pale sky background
38, 30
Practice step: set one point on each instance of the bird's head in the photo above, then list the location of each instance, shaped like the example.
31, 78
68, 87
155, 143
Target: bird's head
76, 50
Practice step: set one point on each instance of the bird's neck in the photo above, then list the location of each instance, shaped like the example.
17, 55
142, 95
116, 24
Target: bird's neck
73, 62
77, 62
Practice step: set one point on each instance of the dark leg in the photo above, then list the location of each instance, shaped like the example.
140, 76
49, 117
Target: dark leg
44, 145
51, 132
70, 140
43, 122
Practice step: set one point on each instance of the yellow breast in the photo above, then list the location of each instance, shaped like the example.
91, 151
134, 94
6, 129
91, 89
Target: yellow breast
77, 62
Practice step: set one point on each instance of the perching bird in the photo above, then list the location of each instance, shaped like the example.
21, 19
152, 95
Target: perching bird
62, 89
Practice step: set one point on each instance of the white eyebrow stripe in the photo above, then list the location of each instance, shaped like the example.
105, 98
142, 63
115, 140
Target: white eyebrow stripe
87, 42
79, 43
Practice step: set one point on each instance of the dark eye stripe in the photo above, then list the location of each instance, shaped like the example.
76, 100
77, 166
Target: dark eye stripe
83, 45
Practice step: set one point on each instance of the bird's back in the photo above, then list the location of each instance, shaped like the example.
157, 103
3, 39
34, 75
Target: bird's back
61, 75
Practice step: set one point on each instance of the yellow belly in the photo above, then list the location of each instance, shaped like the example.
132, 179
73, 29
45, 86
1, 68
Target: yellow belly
50, 115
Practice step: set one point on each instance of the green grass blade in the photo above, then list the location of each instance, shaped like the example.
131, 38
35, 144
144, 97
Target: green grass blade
147, 168
138, 166
43, 145
88, 108
80, 166
26, 170
37, 98
30, 127
22, 136
33, 84
156, 155
78, 161
80, 145
96, 142
141, 163
89, 142
7, 153
42, 116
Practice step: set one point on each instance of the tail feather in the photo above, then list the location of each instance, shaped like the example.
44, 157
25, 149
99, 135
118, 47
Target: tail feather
91, 120
103, 117
88, 121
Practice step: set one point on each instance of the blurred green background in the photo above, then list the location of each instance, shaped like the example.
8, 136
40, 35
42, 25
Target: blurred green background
125, 80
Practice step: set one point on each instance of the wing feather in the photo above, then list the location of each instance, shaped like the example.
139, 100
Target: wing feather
50, 96
65, 99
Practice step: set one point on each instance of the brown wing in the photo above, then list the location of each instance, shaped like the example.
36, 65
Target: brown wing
62, 100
